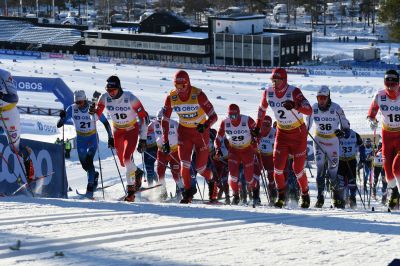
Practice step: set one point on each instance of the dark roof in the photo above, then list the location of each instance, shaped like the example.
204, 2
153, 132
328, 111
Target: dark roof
163, 22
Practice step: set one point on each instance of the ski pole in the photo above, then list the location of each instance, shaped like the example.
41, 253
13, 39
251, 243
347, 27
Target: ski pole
258, 157
143, 167
119, 173
352, 177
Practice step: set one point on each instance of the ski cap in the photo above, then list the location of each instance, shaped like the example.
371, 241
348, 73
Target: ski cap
160, 114
113, 82
392, 76
233, 111
279, 73
79, 95
323, 91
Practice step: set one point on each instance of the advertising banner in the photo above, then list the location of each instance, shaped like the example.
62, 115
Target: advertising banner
49, 166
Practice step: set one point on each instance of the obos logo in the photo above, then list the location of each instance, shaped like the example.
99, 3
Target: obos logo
41, 160
110, 108
384, 107
31, 86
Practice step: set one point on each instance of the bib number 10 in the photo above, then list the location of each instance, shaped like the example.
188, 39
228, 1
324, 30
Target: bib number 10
120, 116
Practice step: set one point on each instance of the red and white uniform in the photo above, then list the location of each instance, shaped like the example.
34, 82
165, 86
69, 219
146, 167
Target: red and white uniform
291, 135
125, 113
390, 111
192, 111
241, 150
164, 159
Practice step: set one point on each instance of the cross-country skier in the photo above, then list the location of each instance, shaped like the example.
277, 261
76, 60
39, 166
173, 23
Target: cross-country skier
349, 145
266, 148
238, 130
196, 115
379, 171
367, 162
170, 159
125, 110
330, 125
86, 135
388, 102
150, 156
289, 105
10, 121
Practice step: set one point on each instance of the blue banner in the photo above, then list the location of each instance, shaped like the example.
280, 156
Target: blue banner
81, 58
21, 53
52, 85
47, 159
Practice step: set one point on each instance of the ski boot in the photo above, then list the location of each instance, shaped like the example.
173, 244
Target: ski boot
187, 196
236, 199
305, 200
374, 192
138, 178
96, 180
281, 199
320, 201
163, 194
353, 202
256, 197
338, 202
89, 191
130, 197
394, 198
226, 192
272, 194
212, 191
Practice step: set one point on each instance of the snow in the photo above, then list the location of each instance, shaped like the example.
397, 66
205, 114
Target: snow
108, 232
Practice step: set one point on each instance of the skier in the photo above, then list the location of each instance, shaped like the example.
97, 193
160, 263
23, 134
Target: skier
10, 121
388, 101
350, 144
266, 148
165, 159
193, 108
238, 129
328, 116
367, 163
125, 109
288, 104
150, 155
379, 171
86, 135
220, 161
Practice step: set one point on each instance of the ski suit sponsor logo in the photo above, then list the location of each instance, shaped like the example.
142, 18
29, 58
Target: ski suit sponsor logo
186, 108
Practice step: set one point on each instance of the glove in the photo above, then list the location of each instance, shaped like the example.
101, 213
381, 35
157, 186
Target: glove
289, 105
255, 132
201, 127
63, 114
141, 146
60, 123
373, 123
339, 133
111, 142
166, 148
92, 109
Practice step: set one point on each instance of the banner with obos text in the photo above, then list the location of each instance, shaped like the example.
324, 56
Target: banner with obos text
47, 159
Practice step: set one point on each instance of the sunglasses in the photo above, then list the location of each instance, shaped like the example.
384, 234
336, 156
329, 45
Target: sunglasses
80, 102
389, 83
111, 89
233, 116
322, 97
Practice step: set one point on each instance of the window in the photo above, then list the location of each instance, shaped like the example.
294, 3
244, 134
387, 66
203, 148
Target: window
283, 51
287, 50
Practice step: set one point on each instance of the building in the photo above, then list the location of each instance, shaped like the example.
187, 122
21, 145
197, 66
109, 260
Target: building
241, 40
162, 37
233, 39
